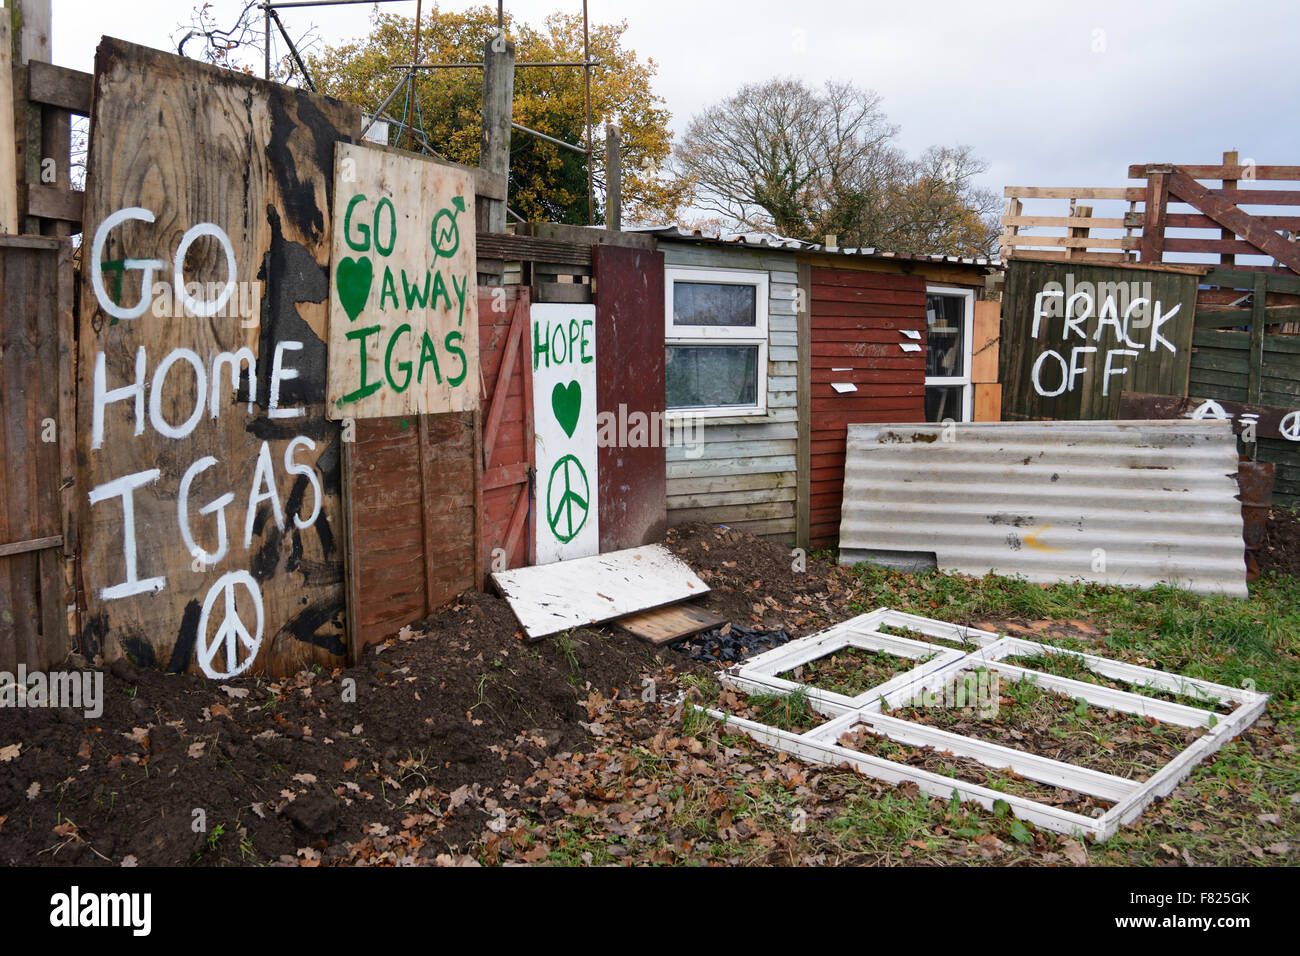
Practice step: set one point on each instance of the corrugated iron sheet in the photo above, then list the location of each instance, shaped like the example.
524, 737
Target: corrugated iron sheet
1132, 503
773, 241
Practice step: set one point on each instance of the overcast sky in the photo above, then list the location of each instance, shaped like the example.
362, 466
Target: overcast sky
1048, 93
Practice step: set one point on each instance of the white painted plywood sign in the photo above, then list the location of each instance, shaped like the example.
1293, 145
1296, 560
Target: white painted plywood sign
564, 403
403, 297
597, 588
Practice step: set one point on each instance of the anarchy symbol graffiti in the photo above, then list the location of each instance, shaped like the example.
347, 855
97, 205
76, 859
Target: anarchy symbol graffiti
567, 497
232, 634
1290, 426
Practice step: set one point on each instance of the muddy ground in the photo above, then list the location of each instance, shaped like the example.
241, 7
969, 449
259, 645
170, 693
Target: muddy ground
443, 717
417, 754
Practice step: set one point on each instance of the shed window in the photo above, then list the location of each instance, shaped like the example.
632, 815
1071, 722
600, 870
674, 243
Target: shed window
715, 341
949, 313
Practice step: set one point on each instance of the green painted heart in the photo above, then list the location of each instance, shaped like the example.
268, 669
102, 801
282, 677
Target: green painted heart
567, 401
354, 277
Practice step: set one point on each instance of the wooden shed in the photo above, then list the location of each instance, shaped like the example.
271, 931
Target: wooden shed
774, 346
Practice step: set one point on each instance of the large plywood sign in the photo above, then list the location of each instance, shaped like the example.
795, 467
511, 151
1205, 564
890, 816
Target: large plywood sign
209, 510
403, 303
1076, 335
564, 408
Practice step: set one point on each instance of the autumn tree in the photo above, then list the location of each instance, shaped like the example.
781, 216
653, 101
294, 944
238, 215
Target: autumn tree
547, 182
806, 162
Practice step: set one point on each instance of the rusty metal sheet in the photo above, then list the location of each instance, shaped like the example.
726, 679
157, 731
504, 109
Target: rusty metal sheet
1270, 421
630, 379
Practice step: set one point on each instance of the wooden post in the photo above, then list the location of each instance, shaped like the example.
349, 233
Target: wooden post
803, 389
1078, 232
613, 177
1154, 215
1255, 370
498, 100
8, 156
1226, 259
33, 19
30, 20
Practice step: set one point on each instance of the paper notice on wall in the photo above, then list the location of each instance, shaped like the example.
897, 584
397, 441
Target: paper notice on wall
564, 409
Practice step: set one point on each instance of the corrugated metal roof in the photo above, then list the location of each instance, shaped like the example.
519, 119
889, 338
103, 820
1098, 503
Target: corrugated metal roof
1155, 501
784, 243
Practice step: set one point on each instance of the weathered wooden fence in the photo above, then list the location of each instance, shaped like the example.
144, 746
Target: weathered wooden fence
37, 524
1238, 356
1179, 210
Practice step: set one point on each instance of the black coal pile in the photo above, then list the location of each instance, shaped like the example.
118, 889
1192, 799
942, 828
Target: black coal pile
730, 643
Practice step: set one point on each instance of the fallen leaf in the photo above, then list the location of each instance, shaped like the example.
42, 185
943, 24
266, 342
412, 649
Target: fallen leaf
196, 749
34, 790
10, 752
305, 777
238, 693
1074, 852
128, 860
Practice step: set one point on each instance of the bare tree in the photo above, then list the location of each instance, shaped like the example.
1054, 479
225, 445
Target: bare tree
240, 46
806, 162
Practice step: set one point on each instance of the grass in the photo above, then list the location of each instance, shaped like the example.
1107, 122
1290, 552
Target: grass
1067, 665
737, 802
850, 671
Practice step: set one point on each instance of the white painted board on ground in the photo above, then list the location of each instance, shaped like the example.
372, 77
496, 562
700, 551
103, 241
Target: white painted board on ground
403, 334
552, 598
564, 404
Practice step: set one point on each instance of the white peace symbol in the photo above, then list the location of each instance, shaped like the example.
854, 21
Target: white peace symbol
1209, 408
231, 632
1290, 426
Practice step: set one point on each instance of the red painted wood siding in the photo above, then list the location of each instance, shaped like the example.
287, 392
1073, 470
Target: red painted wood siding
858, 320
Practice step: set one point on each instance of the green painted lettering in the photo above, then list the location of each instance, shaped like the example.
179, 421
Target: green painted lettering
461, 288
392, 225
454, 380
414, 296
440, 290
365, 388
362, 229
389, 289
540, 347
427, 354
402, 366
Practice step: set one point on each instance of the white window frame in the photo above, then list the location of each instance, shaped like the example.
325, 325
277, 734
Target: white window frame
968, 347
721, 335
937, 665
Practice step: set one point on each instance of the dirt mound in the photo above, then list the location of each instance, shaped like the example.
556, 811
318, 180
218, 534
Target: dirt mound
1281, 549
422, 735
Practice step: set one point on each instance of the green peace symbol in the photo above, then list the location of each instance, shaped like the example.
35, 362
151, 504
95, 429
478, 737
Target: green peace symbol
563, 509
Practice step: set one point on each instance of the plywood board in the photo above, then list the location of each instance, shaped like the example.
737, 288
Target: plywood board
564, 408
984, 343
553, 598
1126, 330
667, 624
403, 302
988, 402
8, 155
209, 476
